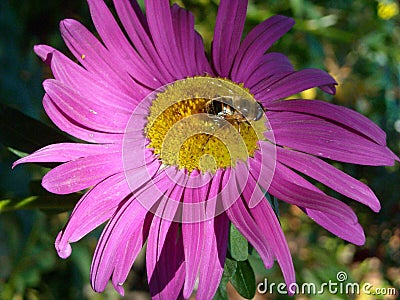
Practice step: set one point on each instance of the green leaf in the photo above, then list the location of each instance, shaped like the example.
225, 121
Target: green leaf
244, 280
20, 154
40, 199
57, 202
238, 245
229, 269
25, 134
221, 293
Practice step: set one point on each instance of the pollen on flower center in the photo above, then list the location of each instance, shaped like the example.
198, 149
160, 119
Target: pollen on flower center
204, 123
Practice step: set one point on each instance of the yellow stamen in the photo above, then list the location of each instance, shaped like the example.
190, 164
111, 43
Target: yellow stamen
182, 134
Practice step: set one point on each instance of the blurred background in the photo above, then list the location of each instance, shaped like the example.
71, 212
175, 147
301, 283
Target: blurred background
358, 42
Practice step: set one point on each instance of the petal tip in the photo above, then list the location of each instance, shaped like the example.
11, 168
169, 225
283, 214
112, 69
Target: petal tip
118, 287
16, 163
63, 248
44, 52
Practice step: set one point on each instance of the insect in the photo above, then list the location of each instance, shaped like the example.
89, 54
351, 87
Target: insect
235, 110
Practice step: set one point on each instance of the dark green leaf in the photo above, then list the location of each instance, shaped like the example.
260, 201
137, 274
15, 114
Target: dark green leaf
41, 199
238, 244
229, 269
244, 280
221, 293
25, 134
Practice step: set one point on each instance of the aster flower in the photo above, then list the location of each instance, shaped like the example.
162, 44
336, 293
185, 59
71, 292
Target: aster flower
171, 158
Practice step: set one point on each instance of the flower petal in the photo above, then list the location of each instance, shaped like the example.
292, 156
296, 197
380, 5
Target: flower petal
159, 19
272, 231
71, 127
282, 86
352, 233
239, 215
227, 34
79, 109
93, 88
133, 246
338, 114
165, 259
97, 59
82, 173
45, 53
256, 43
203, 66
119, 47
320, 137
269, 65
289, 187
330, 176
93, 209
136, 27
183, 24
215, 244
113, 242
192, 232
268, 224
64, 152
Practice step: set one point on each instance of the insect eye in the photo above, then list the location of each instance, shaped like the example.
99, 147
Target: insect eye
242, 105
244, 111
260, 112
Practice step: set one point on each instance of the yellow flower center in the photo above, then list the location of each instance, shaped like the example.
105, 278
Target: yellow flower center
204, 123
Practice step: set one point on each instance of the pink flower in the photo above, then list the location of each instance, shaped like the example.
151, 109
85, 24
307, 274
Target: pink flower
128, 92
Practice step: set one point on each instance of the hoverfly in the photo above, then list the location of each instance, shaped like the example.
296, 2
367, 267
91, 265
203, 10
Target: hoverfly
235, 110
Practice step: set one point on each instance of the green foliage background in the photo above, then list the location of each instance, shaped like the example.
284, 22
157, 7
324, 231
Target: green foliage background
358, 42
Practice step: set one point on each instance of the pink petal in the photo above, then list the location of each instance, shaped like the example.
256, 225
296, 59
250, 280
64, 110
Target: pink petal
352, 233
92, 210
134, 244
215, 239
289, 187
119, 47
239, 215
215, 244
271, 229
183, 24
256, 43
320, 137
203, 65
75, 129
193, 234
165, 259
227, 34
268, 224
97, 59
74, 106
330, 176
269, 65
338, 114
95, 90
161, 28
112, 244
82, 173
64, 152
282, 86
136, 27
